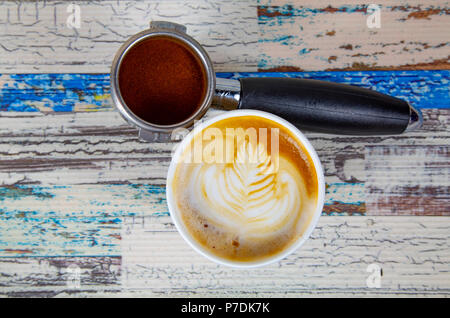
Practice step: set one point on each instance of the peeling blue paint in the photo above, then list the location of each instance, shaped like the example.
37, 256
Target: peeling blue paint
17, 192
81, 92
266, 13
56, 92
63, 220
66, 220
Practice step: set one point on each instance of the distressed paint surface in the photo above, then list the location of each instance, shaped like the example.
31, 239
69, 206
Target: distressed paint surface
54, 92
413, 253
389, 178
86, 220
72, 220
35, 37
70, 181
316, 35
78, 188
239, 35
91, 92
54, 276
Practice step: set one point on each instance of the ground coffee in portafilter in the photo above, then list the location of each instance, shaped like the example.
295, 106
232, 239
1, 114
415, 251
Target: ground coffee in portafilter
162, 81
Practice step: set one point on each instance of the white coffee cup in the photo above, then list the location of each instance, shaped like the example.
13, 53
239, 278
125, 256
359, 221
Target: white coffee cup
175, 213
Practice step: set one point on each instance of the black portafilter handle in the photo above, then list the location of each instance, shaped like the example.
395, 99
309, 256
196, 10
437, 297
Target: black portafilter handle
327, 107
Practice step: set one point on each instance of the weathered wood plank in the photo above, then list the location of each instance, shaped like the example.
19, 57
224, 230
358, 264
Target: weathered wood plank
86, 220
82, 184
68, 180
390, 170
413, 253
35, 147
110, 126
35, 36
316, 35
91, 92
54, 92
100, 148
286, 35
58, 276
82, 220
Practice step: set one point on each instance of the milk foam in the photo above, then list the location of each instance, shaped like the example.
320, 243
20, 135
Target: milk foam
252, 196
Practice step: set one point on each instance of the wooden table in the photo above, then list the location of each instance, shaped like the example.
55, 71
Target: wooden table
82, 199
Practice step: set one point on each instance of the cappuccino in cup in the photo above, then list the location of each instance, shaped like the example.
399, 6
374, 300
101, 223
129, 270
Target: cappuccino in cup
245, 188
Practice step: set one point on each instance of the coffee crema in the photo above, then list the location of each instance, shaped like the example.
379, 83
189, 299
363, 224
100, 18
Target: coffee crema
162, 81
254, 206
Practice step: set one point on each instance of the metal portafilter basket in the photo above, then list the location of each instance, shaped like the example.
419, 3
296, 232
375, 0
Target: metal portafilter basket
308, 104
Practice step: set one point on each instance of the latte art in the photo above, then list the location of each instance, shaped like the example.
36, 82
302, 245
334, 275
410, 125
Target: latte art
249, 194
253, 206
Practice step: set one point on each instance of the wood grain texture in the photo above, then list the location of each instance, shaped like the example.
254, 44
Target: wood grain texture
389, 176
69, 180
239, 35
35, 37
72, 220
59, 276
79, 190
108, 149
413, 252
316, 35
91, 92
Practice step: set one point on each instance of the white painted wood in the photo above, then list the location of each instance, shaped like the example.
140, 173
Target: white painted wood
58, 276
75, 157
412, 34
35, 37
390, 171
414, 254
101, 148
321, 35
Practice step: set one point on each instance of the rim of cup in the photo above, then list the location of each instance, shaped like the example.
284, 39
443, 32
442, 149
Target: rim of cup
175, 213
